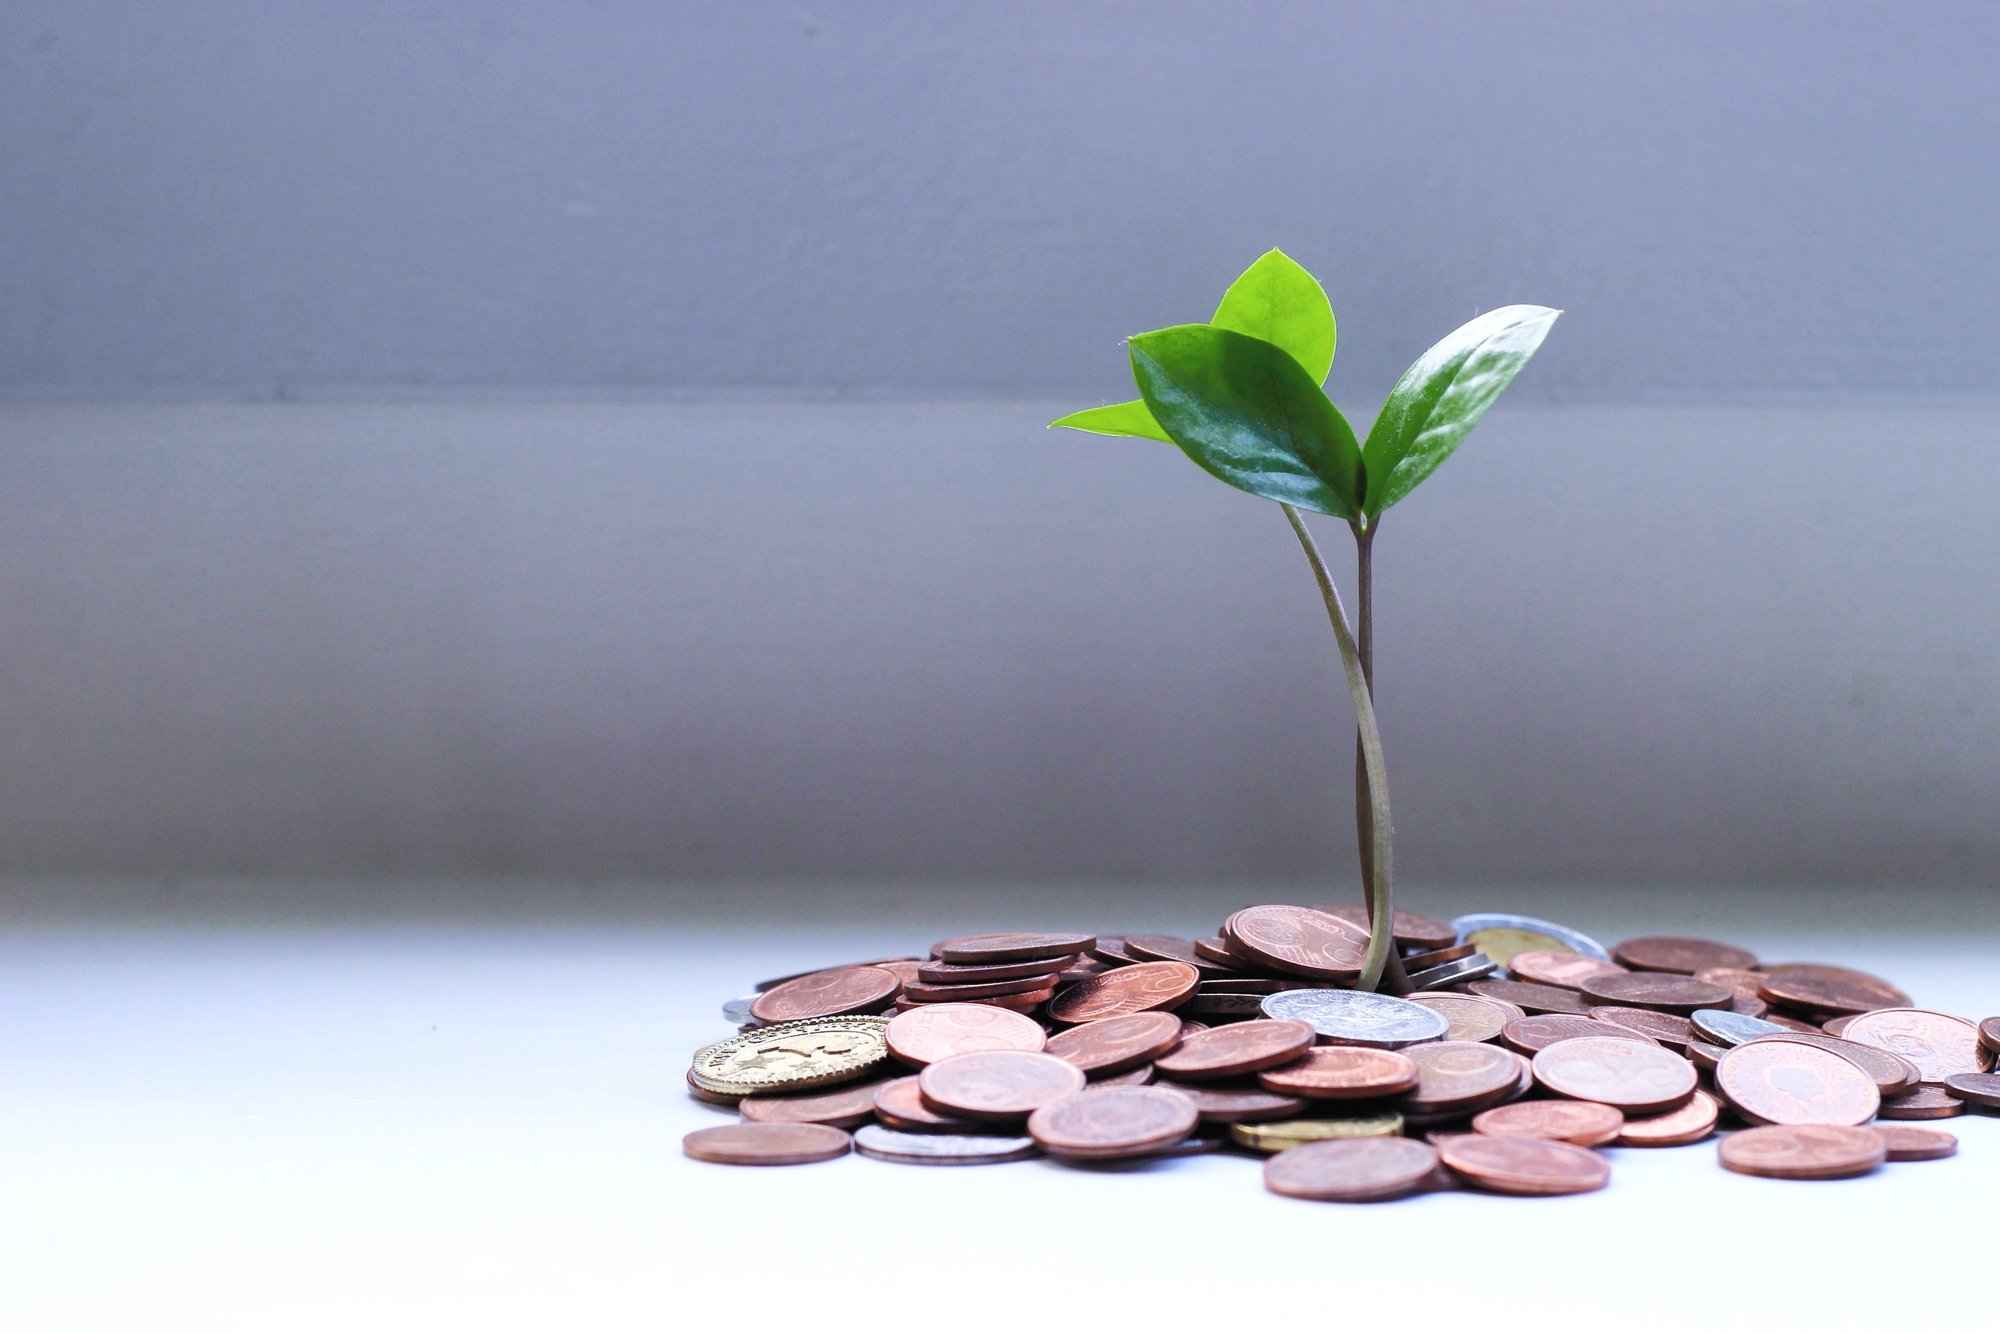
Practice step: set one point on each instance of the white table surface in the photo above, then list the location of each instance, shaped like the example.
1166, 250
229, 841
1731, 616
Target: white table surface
407, 1125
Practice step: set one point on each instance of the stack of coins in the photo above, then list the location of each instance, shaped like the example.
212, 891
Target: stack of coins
1521, 1052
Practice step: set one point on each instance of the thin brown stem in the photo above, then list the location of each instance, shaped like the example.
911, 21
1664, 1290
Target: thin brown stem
1394, 978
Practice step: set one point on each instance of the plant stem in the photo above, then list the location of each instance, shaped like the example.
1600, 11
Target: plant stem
1364, 813
1376, 772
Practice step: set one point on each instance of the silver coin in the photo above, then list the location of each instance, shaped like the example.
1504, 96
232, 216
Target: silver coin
894, 1145
1358, 1018
1469, 968
738, 1011
1576, 940
1726, 1027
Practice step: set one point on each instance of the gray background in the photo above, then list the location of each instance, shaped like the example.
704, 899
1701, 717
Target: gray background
604, 440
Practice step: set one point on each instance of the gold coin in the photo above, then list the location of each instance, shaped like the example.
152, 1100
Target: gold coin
1278, 1135
792, 1057
1501, 943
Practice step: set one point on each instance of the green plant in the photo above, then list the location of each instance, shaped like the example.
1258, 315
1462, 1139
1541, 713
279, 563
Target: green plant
1241, 397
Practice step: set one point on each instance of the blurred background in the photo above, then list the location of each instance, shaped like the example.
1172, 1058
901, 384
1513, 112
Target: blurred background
597, 449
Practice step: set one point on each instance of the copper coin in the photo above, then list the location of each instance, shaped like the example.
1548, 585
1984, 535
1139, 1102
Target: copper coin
1532, 998
1821, 994
935, 1032
1113, 1122
1137, 1076
1923, 1102
900, 1105
1893, 1075
1339, 1073
842, 990
1665, 992
1169, 949
1989, 1034
1418, 962
1362, 1170
1536, 1031
1690, 1124
1837, 1025
1748, 1005
1797, 1024
997, 1085
1468, 1017
1668, 953
1979, 1089
1010, 947
1125, 990
927, 993
1227, 1106
843, 1108
1743, 980
1586, 1124
1110, 1045
1409, 929
1636, 1077
1559, 967
1667, 1029
1704, 1055
1239, 1048
1111, 949
1234, 984
1455, 1076
1525, 1166
1778, 1081
752, 1144
1081, 968
958, 974
775, 982
1939, 1045
1909, 1143
1216, 950
1804, 1152
1852, 982
1298, 941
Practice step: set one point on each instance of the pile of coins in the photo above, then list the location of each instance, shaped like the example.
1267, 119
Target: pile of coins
1520, 1049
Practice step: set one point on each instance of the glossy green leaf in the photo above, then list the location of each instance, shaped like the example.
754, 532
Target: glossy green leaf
1131, 418
1280, 302
1248, 413
1440, 398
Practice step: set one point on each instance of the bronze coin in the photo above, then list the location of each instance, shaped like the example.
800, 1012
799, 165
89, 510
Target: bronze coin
842, 990
1893, 1075
1989, 1034
1748, 1005
1339, 1073
1239, 1048
1979, 1089
1804, 1152
1532, 998
1362, 1170
959, 974
1909, 1143
927, 993
1081, 968
1233, 984
1586, 1124
1778, 1081
753, 1144
1228, 1106
1820, 994
1636, 1077
843, 1108
1112, 1045
1298, 941
1668, 953
1797, 1024
1745, 981
1837, 1025
891, 963
1409, 929
1525, 1166
1430, 958
1459, 1076
1852, 981
1216, 950
1923, 1102
1470, 1017
1111, 949
997, 1085
1704, 1055
1113, 1122
1536, 1031
1690, 1124
1559, 967
1125, 990
935, 1032
1010, 947
900, 1105
1170, 949
1939, 1045
1137, 1076
1666, 1029
1664, 992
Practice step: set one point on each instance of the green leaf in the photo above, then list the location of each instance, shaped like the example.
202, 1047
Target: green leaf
1440, 398
1249, 414
1280, 302
1117, 419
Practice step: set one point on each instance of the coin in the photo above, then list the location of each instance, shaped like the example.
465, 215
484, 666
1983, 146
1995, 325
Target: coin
1748, 1005
1559, 967
956, 974
1910, 1143
1745, 981
1223, 1006
701, 1094
738, 1012
1979, 1089
791, 1057
923, 992
1536, 1031
1278, 1135
752, 1144
1837, 1025
1240, 1048
1336, 1073
1704, 1056
1830, 989
1939, 1045
1636, 1077
941, 1149
1358, 1018
1778, 1081
1010, 947
1667, 1029
1803, 1152
1924, 1102
1125, 990
1113, 1122
1170, 949
1532, 998
1666, 992
1228, 1106
1236, 984
1456, 1077
774, 982
1470, 968
1297, 940
1111, 1045
1586, 1124
843, 1107
1216, 950
1672, 953
1501, 935
1111, 949
1893, 1075
1690, 1124
1725, 1027
1467, 1017
1417, 962
1410, 929
1989, 1034
1136, 1076
997, 1085
900, 1105
922, 1036
1525, 1166
1361, 1170
842, 990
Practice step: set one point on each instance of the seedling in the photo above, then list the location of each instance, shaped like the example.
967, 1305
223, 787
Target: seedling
1241, 396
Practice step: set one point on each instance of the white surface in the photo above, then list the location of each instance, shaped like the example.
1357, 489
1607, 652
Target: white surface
457, 1127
